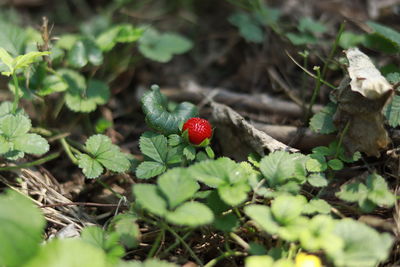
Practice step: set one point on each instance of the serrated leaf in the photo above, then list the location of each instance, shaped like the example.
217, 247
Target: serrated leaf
191, 214
335, 164
177, 186
12, 126
6, 58
322, 121
123, 33
278, 167
21, 229
158, 117
317, 206
149, 169
126, 227
148, 197
287, 208
352, 192
90, 167
189, 152
77, 56
108, 154
51, 84
262, 215
379, 192
317, 180
67, 253
154, 146
392, 111
5, 145
360, 245
393, 77
234, 194
162, 47
316, 163
6, 109
174, 139
24, 61
31, 144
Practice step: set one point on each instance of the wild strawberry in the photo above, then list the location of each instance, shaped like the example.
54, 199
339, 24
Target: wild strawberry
198, 130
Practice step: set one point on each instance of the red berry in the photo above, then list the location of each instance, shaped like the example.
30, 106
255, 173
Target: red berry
198, 130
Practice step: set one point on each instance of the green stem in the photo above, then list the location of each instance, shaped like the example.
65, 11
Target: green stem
342, 134
109, 188
239, 240
174, 245
227, 254
183, 242
67, 149
292, 250
156, 244
315, 94
16, 93
334, 48
31, 164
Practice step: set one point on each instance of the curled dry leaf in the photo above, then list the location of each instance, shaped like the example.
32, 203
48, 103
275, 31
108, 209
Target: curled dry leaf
361, 99
238, 137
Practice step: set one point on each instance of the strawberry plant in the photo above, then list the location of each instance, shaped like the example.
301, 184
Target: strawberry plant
143, 178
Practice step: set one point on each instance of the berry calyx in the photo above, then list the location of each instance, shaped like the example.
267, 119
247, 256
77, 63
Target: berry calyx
198, 130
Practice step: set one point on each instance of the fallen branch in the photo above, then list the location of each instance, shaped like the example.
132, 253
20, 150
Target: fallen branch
260, 102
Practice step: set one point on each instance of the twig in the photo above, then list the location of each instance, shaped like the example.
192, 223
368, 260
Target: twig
79, 204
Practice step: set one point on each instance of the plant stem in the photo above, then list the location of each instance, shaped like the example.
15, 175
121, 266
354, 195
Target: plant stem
67, 149
16, 93
315, 94
109, 188
239, 240
156, 244
32, 163
227, 254
183, 242
174, 245
333, 50
342, 134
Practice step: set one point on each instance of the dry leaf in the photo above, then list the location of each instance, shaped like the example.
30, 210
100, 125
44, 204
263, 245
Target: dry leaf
365, 77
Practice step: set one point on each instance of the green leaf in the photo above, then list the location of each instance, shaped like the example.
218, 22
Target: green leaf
12, 38
249, 27
393, 77
162, 47
262, 215
379, 192
154, 146
68, 253
147, 263
24, 61
86, 99
77, 56
6, 109
158, 117
317, 180
177, 186
123, 33
5, 145
302, 38
12, 126
317, 206
6, 58
335, 164
31, 144
108, 154
191, 214
189, 152
287, 208
149, 169
307, 24
227, 223
316, 163
278, 167
349, 39
127, 229
392, 111
352, 192
234, 194
363, 246
67, 41
322, 122
51, 84
148, 197
91, 168
21, 229
388, 33
98, 238
174, 139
